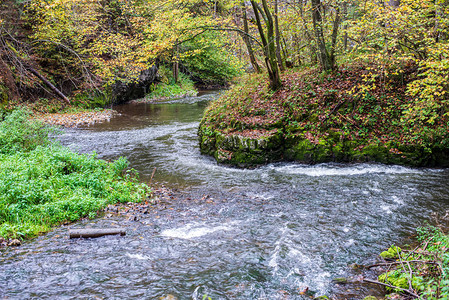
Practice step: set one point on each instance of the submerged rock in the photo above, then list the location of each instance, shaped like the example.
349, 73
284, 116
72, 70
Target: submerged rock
168, 297
340, 280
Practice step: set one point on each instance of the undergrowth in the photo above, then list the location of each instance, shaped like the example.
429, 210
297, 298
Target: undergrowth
355, 113
43, 184
168, 88
422, 272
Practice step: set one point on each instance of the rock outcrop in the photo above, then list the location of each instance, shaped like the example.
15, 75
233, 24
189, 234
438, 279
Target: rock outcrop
134, 89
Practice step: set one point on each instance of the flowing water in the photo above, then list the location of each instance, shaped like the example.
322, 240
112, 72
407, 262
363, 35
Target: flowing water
265, 233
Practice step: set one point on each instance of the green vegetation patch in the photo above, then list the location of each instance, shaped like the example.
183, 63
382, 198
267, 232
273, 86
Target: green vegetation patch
423, 271
168, 88
43, 184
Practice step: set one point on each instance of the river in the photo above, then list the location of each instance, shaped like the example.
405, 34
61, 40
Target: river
281, 231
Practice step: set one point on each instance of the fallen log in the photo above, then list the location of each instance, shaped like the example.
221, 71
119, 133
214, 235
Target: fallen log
48, 83
95, 232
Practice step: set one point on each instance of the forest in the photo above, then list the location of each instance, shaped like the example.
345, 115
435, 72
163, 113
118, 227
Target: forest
384, 63
307, 81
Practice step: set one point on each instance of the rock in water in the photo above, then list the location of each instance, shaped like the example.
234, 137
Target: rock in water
15, 242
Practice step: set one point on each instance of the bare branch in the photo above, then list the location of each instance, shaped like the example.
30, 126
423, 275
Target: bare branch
411, 293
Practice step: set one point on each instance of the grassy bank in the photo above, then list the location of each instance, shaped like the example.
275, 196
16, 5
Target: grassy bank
421, 272
43, 184
168, 88
351, 115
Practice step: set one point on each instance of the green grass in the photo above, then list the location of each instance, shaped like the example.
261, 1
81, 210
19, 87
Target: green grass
43, 184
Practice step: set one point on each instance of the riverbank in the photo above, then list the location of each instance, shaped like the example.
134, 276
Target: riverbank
156, 99
421, 271
43, 184
347, 116
78, 118
279, 230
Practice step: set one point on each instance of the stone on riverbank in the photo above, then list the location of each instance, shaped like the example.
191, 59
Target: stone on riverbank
14, 243
73, 120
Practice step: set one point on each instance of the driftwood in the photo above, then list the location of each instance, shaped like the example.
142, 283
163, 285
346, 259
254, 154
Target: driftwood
94, 232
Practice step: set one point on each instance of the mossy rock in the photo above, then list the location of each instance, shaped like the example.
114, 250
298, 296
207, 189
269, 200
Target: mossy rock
240, 150
237, 142
340, 280
392, 252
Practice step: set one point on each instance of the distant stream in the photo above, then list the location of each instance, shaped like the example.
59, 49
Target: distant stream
281, 231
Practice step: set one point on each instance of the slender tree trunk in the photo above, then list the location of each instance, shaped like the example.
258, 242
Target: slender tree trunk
49, 84
285, 52
297, 48
334, 37
268, 43
278, 36
176, 63
308, 34
247, 41
325, 55
345, 37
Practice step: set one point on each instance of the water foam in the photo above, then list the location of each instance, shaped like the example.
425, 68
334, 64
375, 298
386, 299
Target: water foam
333, 170
191, 231
138, 256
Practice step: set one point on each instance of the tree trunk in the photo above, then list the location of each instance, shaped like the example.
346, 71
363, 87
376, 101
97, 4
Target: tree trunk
308, 35
323, 55
48, 83
247, 41
345, 37
268, 43
278, 36
326, 56
176, 63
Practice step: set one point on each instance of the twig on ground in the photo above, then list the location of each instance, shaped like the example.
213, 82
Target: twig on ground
411, 293
397, 262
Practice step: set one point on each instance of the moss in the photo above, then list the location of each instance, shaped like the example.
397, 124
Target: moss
392, 252
94, 98
4, 95
315, 124
244, 159
333, 148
